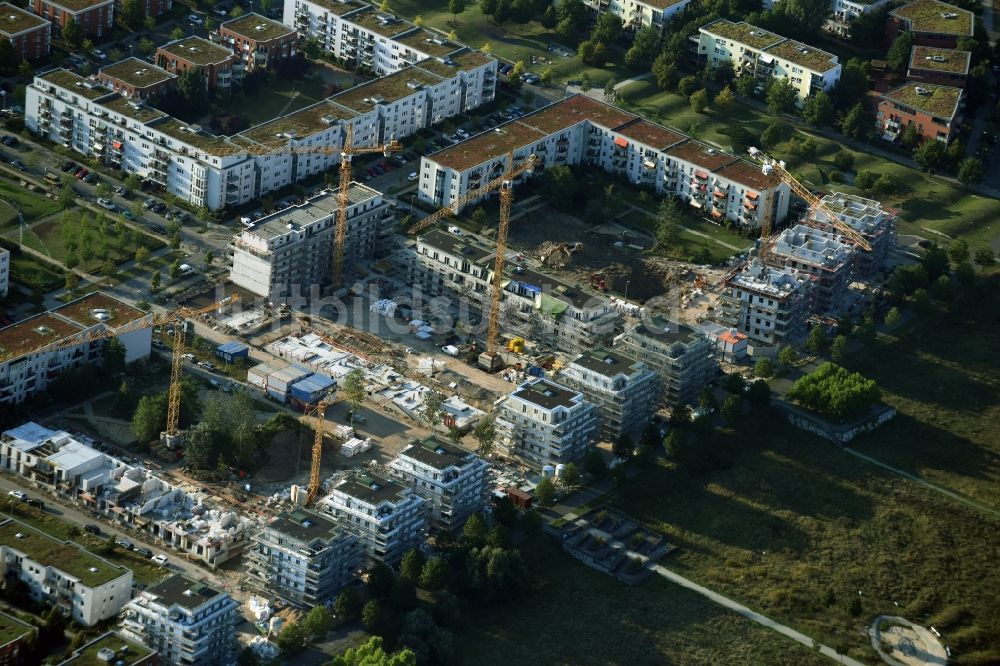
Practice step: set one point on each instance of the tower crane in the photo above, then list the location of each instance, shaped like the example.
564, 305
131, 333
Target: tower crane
770, 165
319, 412
346, 153
489, 359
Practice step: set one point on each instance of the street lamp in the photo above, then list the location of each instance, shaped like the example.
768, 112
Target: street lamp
627, 283
3, 96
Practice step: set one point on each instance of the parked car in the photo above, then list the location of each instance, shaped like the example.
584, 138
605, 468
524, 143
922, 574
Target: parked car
67, 166
220, 12
208, 366
195, 19
159, 207
18, 494
412, 177
82, 173
97, 54
128, 215
106, 203
9, 140
37, 503
124, 543
19, 165
159, 559
157, 229
90, 177
149, 203
142, 550
189, 357
92, 528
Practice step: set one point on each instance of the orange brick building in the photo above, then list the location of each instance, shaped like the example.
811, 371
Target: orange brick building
931, 22
259, 42
136, 79
220, 66
935, 111
27, 33
96, 17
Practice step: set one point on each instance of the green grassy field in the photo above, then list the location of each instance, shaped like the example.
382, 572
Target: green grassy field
282, 97
35, 273
32, 204
930, 204
574, 615
46, 237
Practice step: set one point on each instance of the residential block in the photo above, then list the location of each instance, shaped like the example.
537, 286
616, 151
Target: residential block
95, 17
27, 33
934, 111
219, 65
258, 42
932, 23
136, 79
769, 305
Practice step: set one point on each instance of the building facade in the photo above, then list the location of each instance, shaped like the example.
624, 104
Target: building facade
95, 17
542, 423
27, 33
934, 111
932, 23
15, 637
303, 558
534, 305
822, 255
846, 12
81, 585
769, 305
867, 217
681, 357
258, 42
762, 54
581, 131
137, 79
624, 390
25, 372
4, 272
638, 14
944, 67
387, 518
186, 621
451, 480
220, 67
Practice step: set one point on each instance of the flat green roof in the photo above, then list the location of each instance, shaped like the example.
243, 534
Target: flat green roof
67, 557
196, 50
257, 27
939, 18
931, 59
387, 25
74, 6
75, 83
488, 145
11, 629
338, 8
213, 145
803, 55
938, 101
743, 32
301, 124
130, 109
137, 73
429, 43
14, 20
87, 655
388, 89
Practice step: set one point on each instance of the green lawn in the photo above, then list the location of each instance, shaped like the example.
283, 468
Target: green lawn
35, 273
32, 204
929, 203
121, 243
282, 97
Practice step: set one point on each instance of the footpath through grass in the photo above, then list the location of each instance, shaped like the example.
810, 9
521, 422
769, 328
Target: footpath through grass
32, 204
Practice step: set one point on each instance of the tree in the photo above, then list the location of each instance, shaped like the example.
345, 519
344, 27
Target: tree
665, 71
380, 581
593, 463
141, 255
931, 156
546, 76
516, 73
610, 94
787, 357
855, 122
384, 6
545, 491
72, 32
834, 391
501, 12
113, 358
985, 257
844, 160
970, 171
623, 447
818, 110
474, 531
731, 408
174, 270
688, 85
759, 394
8, 58
373, 654
774, 134
150, 418
412, 565
644, 47
888, 183
154, 281
593, 52
72, 280
680, 416
432, 407
838, 349
25, 70
192, 87
435, 574
725, 98
485, 433
354, 388
763, 368
417, 21
865, 180
132, 14
607, 28
146, 46
898, 56
571, 475
347, 606
371, 615
668, 227
177, 33
958, 251
149, 23
745, 85
805, 16
522, 11
699, 101
816, 342
893, 317
318, 622
456, 7
430, 643
781, 96
560, 186
934, 261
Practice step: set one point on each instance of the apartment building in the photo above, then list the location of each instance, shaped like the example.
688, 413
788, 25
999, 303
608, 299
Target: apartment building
95, 17
157, 7
27, 33
581, 131
136, 79
638, 14
15, 638
542, 423
83, 586
185, 621
25, 372
766, 56
935, 111
681, 357
4, 272
534, 305
220, 66
451, 479
868, 218
769, 305
302, 557
258, 42
625, 391
291, 250
846, 12
945, 67
931, 22
822, 255
112, 648
387, 518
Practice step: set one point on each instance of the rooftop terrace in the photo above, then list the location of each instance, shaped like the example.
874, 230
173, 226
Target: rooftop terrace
132, 108
749, 174
386, 90
930, 59
702, 155
759, 278
546, 394
488, 145
34, 332
387, 25
606, 362
573, 110
11, 629
67, 557
74, 6
742, 32
372, 489
312, 211
213, 145
665, 331
298, 125
803, 55
938, 101
99, 308
256, 27
429, 43
75, 83
179, 590
458, 246
197, 51
934, 17
137, 73
338, 8
650, 134
87, 655
437, 453
14, 20
304, 525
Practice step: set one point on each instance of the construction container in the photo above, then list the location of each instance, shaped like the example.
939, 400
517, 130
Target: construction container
520, 498
280, 381
231, 351
312, 389
257, 375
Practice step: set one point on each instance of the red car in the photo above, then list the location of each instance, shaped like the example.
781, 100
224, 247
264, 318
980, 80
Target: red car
81, 174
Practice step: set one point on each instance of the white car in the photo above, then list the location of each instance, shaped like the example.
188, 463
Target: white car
18, 494
194, 18
159, 559
99, 55
412, 177
106, 203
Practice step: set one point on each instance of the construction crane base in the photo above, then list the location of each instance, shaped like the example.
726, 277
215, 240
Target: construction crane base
491, 362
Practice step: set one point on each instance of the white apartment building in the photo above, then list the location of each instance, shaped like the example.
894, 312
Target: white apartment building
764, 55
25, 372
186, 621
637, 14
534, 305
769, 305
846, 12
387, 518
868, 218
81, 585
302, 557
217, 171
581, 131
291, 250
543, 423
625, 391
4, 272
681, 357
451, 479
823, 256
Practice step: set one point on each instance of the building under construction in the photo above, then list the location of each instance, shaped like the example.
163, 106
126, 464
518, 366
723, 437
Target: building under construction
823, 256
770, 305
682, 357
868, 218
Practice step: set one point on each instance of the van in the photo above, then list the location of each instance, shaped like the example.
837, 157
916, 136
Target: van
450, 350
